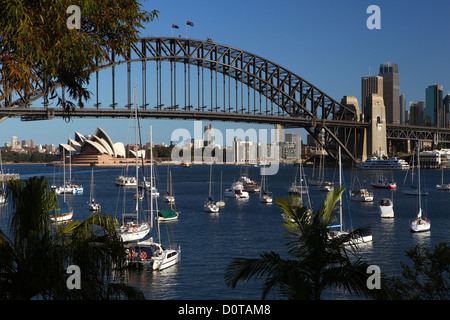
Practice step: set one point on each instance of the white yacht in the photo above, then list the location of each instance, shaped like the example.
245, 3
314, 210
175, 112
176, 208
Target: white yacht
236, 191
386, 208
124, 181
376, 163
361, 195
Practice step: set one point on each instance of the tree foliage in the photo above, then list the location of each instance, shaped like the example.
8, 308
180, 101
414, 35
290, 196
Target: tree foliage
35, 253
317, 262
37, 49
428, 277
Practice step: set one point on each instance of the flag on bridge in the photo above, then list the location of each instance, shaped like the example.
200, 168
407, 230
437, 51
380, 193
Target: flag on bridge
189, 23
174, 26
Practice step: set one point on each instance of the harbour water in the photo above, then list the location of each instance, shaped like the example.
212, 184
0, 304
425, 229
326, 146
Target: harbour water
246, 228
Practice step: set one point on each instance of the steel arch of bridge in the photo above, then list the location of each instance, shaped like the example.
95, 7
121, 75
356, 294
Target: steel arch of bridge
301, 103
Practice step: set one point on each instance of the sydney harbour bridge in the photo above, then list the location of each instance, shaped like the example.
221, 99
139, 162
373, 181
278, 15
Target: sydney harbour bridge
182, 78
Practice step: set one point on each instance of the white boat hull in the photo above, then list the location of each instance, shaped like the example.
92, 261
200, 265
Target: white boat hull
211, 208
420, 225
62, 217
125, 181
134, 232
386, 211
168, 258
265, 199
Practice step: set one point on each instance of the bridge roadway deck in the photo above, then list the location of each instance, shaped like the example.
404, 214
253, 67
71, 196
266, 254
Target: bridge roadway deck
393, 131
29, 114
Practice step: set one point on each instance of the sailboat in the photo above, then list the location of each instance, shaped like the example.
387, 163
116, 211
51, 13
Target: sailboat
2, 191
170, 214
419, 224
69, 187
412, 189
148, 250
131, 228
443, 186
93, 206
220, 203
210, 205
169, 197
301, 188
264, 195
355, 238
360, 194
64, 213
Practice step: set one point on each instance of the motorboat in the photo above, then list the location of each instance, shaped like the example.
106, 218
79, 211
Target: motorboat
386, 208
236, 191
154, 253
361, 195
124, 181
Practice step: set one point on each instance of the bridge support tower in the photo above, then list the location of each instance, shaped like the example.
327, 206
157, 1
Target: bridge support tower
376, 136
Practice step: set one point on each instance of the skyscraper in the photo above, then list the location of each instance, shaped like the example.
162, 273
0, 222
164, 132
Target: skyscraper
417, 113
446, 106
434, 111
370, 85
402, 109
391, 91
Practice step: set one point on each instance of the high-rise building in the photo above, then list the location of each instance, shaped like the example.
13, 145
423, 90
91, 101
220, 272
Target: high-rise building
446, 102
370, 85
434, 113
296, 140
417, 113
391, 91
402, 109
208, 135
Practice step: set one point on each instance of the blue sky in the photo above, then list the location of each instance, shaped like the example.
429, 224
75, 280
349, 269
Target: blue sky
325, 42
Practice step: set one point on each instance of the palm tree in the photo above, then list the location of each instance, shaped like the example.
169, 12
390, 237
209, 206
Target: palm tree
318, 261
35, 253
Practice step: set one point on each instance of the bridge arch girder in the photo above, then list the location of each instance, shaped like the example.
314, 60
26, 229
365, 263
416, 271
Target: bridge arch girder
291, 93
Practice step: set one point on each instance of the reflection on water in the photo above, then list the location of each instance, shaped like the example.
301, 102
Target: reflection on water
246, 228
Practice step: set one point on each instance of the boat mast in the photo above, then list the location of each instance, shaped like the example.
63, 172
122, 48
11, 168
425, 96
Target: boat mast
340, 184
419, 215
151, 178
136, 148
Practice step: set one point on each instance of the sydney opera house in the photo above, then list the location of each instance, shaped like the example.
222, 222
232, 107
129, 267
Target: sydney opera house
97, 149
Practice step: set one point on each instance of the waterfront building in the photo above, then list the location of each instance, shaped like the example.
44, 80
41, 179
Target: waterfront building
434, 112
96, 149
391, 91
435, 158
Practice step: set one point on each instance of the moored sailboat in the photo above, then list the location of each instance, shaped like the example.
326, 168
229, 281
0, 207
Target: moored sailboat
419, 224
131, 228
210, 205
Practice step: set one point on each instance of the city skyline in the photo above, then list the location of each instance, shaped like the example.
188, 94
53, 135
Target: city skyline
298, 36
